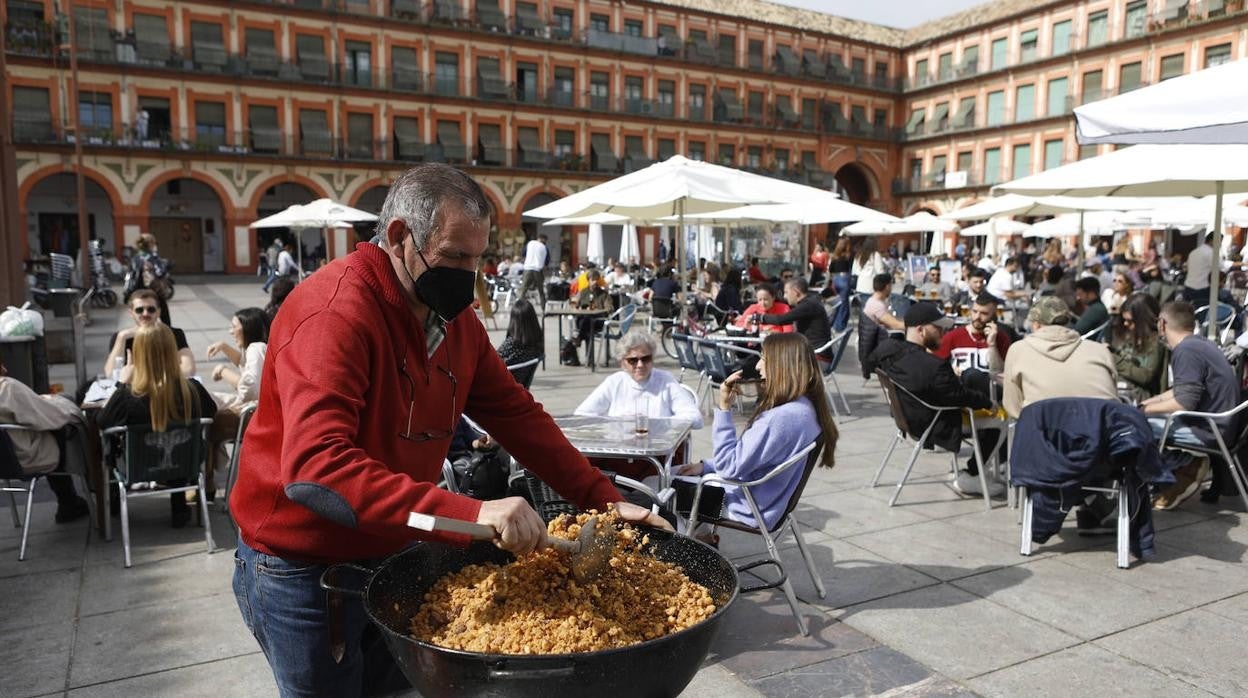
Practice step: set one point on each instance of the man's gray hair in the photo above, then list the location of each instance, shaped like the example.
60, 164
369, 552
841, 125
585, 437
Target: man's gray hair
632, 340
417, 197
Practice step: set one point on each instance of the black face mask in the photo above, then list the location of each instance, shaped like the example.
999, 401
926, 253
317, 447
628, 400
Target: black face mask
447, 291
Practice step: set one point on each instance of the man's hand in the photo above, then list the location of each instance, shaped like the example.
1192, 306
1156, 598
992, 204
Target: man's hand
990, 333
126, 333
635, 514
520, 529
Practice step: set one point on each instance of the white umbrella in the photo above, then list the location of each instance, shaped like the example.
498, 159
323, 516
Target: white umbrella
322, 213
599, 218
1070, 224
1019, 205
921, 222
1208, 106
629, 246
821, 207
706, 243
594, 247
1151, 170
1195, 212
675, 187
1002, 226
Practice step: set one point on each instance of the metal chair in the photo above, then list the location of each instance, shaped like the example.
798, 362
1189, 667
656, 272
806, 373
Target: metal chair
720, 361
1229, 454
1124, 520
524, 371
687, 357
837, 346
808, 458
244, 418
1096, 333
177, 453
892, 394
662, 314
1225, 318
11, 471
614, 327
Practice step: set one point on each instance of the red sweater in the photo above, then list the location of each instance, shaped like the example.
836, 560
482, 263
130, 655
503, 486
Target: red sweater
325, 476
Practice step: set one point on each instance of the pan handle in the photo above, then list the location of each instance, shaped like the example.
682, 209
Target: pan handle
331, 572
500, 672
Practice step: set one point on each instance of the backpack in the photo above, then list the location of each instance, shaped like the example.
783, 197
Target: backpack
481, 474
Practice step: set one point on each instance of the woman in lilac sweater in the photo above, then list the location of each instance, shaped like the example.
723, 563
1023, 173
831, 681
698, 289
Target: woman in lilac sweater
792, 412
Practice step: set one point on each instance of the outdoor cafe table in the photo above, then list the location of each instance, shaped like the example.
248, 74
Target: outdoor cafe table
616, 437
560, 313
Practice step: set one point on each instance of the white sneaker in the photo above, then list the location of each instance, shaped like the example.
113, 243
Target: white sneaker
968, 484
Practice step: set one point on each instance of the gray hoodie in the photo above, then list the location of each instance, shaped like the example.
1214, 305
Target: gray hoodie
1054, 362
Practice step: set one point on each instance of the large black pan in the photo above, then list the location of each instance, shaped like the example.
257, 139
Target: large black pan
659, 667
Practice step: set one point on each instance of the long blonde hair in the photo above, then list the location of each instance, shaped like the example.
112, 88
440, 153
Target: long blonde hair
793, 371
158, 376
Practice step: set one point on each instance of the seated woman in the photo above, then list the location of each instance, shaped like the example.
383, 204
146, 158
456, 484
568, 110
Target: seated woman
249, 330
765, 303
1140, 354
792, 412
1114, 296
524, 335
153, 391
639, 387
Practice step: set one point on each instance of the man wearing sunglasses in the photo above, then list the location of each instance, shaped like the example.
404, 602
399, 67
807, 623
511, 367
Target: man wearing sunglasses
145, 310
372, 362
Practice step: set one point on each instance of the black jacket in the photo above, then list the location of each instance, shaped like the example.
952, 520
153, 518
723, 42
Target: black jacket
1061, 443
870, 335
124, 408
932, 380
811, 321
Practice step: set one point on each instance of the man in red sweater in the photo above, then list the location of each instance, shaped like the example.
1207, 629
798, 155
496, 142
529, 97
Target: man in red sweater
371, 363
980, 344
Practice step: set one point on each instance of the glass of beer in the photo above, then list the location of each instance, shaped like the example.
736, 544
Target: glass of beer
641, 417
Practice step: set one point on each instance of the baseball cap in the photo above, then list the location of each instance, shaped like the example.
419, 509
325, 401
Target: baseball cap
927, 314
1049, 310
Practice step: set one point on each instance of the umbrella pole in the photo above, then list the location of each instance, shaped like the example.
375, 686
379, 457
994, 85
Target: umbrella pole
1212, 316
1079, 248
680, 261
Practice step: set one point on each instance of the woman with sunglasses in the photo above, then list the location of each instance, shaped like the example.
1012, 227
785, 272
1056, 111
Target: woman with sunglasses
639, 387
1140, 355
154, 391
792, 412
1117, 294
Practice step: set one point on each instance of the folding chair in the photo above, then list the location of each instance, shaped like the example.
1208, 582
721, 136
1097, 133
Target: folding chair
1229, 455
892, 393
177, 453
837, 346
807, 458
1225, 318
11, 471
244, 418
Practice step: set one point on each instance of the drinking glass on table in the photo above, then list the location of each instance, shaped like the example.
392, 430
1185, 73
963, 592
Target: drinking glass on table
641, 416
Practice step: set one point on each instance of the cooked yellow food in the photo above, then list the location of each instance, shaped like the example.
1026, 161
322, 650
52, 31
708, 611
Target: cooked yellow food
535, 605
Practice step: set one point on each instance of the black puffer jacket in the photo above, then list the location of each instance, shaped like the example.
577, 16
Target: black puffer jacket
932, 380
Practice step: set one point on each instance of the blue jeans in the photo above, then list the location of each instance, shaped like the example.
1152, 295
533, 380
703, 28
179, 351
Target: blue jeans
1179, 435
286, 610
269, 281
841, 283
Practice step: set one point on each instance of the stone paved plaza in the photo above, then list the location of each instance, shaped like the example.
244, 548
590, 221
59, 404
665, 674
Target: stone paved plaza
930, 597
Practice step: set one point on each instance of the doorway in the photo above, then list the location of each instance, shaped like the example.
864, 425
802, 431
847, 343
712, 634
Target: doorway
180, 240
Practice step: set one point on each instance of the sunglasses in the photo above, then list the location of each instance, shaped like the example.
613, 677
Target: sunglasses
146, 310
635, 360
411, 409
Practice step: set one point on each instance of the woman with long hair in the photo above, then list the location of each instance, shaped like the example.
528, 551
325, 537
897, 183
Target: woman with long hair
818, 264
153, 391
1140, 354
840, 265
792, 412
867, 264
249, 332
524, 335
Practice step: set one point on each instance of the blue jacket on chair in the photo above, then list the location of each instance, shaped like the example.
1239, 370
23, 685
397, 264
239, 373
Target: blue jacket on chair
1061, 443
